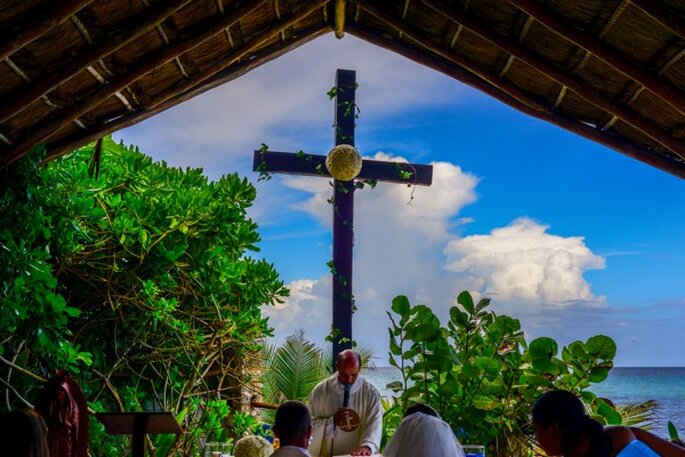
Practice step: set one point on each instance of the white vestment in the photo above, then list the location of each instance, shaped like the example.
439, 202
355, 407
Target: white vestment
421, 435
290, 451
326, 399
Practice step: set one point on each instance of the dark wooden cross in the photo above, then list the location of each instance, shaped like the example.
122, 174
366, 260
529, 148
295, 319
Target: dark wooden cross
343, 199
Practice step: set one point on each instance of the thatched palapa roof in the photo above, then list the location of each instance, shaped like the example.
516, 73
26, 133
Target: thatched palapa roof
612, 71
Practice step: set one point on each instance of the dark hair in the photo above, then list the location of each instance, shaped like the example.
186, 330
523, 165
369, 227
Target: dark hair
292, 422
343, 354
421, 408
568, 412
23, 433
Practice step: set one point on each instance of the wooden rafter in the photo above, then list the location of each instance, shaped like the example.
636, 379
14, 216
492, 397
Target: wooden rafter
148, 64
558, 118
37, 28
646, 126
406, 30
655, 85
22, 97
653, 9
67, 144
44, 130
250, 46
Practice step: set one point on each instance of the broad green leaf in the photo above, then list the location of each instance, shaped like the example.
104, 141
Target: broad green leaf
601, 347
401, 306
465, 300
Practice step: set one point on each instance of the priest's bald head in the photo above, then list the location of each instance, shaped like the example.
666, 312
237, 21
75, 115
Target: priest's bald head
348, 364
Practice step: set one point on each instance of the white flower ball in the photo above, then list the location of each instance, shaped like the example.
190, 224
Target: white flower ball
344, 162
253, 446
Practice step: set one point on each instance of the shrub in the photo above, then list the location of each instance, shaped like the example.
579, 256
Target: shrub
482, 376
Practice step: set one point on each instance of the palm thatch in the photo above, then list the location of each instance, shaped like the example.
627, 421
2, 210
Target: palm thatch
609, 70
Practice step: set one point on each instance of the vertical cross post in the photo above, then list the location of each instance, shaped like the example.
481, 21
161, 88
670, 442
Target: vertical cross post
343, 217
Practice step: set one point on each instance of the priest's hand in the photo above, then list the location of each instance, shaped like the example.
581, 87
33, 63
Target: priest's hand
364, 450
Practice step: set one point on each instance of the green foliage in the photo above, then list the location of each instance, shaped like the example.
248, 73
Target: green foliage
35, 313
145, 267
482, 376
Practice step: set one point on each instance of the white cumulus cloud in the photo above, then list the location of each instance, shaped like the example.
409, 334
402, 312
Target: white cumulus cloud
522, 262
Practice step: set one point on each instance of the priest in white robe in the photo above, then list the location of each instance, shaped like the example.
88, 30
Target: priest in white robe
326, 402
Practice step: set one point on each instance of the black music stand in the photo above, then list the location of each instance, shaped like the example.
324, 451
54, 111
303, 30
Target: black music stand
139, 424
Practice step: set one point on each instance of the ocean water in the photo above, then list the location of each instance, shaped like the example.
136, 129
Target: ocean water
666, 386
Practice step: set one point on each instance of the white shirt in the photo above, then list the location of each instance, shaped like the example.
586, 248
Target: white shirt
421, 435
326, 399
290, 451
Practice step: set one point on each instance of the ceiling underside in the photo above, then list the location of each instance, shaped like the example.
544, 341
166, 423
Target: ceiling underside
611, 71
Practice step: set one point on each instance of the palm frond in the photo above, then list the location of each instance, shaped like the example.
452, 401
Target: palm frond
292, 370
641, 415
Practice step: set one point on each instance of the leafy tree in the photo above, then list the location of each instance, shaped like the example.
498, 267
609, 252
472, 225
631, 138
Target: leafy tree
145, 268
482, 376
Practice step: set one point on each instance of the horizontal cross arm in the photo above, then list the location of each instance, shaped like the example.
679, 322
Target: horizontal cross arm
397, 172
294, 163
301, 163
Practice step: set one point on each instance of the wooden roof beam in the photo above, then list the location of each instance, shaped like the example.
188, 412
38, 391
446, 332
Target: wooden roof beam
43, 131
339, 18
486, 75
250, 46
655, 159
590, 44
37, 28
68, 144
147, 20
646, 126
667, 19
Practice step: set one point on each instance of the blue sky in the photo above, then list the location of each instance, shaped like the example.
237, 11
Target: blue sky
572, 238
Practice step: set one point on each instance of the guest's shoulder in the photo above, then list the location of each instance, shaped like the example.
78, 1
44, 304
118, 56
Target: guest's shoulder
620, 437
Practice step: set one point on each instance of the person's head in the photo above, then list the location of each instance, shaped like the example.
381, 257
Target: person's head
348, 364
251, 446
421, 408
562, 427
23, 434
293, 424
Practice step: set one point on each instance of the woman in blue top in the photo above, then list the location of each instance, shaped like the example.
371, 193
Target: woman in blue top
562, 428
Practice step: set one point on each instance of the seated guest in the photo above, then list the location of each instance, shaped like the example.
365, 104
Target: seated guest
563, 428
293, 428
23, 433
423, 434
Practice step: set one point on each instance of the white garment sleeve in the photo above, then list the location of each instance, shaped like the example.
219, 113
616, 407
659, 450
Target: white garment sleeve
373, 428
322, 423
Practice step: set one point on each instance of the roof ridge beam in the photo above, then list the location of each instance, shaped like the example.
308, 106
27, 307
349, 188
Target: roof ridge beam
656, 159
38, 28
627, 115
655, 85
147, 20
43, 131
